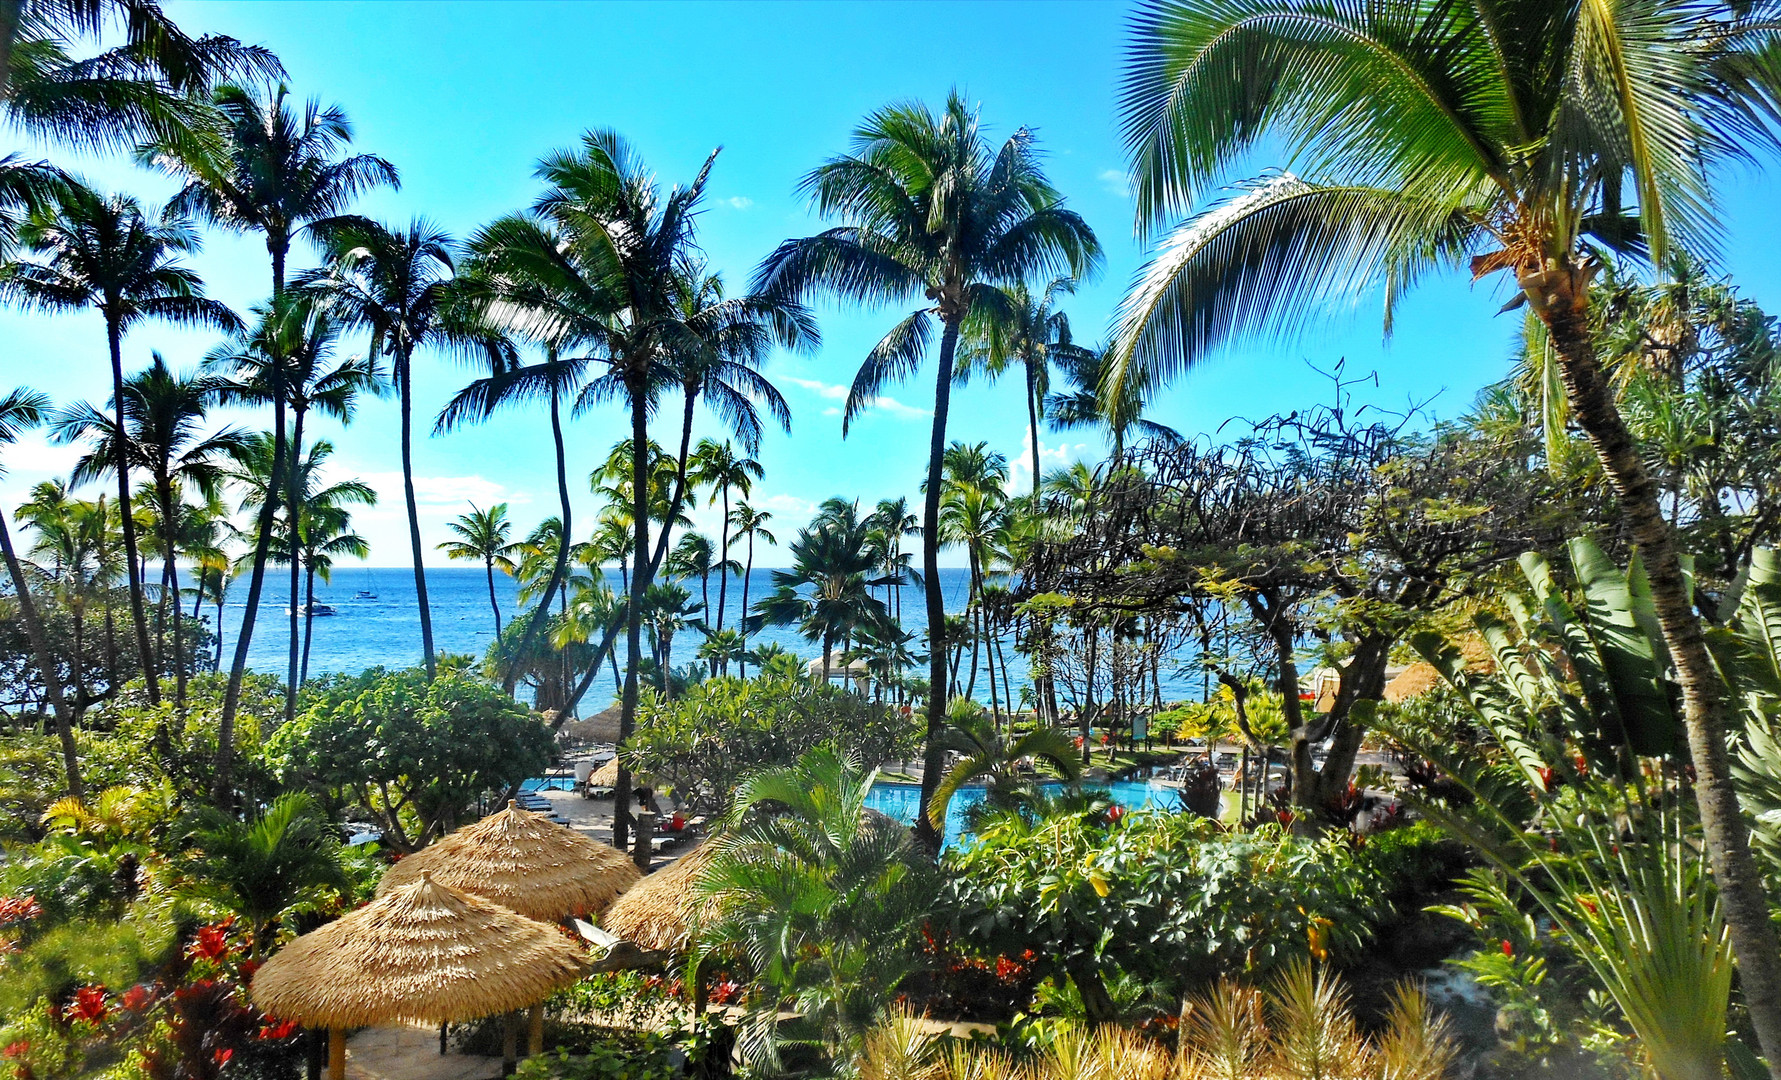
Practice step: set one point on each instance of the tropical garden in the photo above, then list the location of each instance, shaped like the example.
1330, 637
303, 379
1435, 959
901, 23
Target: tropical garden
1460, 738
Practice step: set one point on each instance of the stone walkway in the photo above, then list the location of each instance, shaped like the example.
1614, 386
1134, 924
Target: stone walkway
411, 1052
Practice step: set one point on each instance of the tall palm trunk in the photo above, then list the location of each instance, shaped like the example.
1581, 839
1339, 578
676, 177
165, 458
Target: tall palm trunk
723, 555
308, 622
640, 573
293, 501
973, 594
46, 664
221, 589
560, 568
1559, 294
132, 558
742, 620
933, 754
488, 565
256, 582
405, 380
1033, 424
170, 575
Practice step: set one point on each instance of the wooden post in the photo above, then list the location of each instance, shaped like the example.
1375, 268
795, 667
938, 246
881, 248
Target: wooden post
444, 1031
336, 1054
642, 849
315, 1052
509, 1044
535, 1034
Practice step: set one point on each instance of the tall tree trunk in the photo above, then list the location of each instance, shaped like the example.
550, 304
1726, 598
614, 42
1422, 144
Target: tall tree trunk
742, 619
222, 584
256, 581
488, 565
974, 620
560, 567
170, 573
293, 500
1559, 293
405, 383
308, 622
46, 664
640, 574
121, 463
723, 556
933, 754
1033, 424
679, 500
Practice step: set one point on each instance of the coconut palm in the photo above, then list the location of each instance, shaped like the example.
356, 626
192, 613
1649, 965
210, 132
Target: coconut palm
691, 558
986, 755
717, 466
929, 210
826, 591
397, 283
327, 535
1089, 401
162, 435
1486, 137
1027, 332
892, 522
484, 536
748, 525
667, 610
112, 255
21, 410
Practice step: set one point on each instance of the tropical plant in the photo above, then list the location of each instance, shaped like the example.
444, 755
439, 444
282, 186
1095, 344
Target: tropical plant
484, 536
282, 862
826, 591
985, 755
1030, 332
1429, 136
748, 525
822, 898
112, 255
1084, 403
163, 435
929, 210
21, 410
718, 467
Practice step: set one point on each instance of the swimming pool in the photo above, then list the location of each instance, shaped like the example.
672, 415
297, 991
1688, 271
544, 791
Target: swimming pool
900, 801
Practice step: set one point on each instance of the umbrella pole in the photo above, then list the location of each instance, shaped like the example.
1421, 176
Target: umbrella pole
509, 1044
535, 1036
444, 1030
336, 1054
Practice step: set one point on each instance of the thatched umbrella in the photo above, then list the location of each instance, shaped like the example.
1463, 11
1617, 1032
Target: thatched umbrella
605, 776
421, 952
523, 862
656, 914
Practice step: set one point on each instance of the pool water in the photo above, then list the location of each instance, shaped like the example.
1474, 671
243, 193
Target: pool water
900, 801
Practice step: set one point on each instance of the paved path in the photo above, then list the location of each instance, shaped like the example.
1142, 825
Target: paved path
411, 1052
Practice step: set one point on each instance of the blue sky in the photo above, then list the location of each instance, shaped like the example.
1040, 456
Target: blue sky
464, 97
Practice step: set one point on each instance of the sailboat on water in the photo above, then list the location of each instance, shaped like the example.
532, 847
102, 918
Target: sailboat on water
369, 592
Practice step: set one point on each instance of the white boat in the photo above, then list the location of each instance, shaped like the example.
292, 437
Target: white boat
317, 609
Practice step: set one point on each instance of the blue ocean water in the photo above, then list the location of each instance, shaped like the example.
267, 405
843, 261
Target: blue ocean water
384, 629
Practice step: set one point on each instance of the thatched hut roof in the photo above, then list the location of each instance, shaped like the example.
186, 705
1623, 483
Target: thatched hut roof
422, 952
525, 863
602, 727
607, 776
657, 913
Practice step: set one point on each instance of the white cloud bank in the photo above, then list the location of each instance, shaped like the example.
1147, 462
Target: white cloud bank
831, 392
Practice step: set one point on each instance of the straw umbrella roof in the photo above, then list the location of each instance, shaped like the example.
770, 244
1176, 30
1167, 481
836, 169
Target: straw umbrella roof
606, 775
423, 952
656, 914
525, 863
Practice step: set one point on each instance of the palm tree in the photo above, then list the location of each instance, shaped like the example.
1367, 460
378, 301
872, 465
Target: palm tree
892, 522
398, 284
111, 255
717, 466
1090, 401
327, 535
748, 524
281, 863
163, 435
1027, 332
668, 609
271, 171
929, 211
825, 592
985, 755
21, 410
485, 536
691, 558
720, 647
1481, 137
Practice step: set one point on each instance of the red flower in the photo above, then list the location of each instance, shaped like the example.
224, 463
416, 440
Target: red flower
16, 1050
1553, 840
276, 1029
1115, 812
725, 992
247, 968
1546, 778
1508, 949
211, 942
135, 998
17, 909
89, 1004
1588, 904
1007, 969
222, 1055
1582, 765
1029, 956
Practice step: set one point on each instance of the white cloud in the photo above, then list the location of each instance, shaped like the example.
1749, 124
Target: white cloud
739, 202
1020, 467
831, 392
437, 492
1117, 183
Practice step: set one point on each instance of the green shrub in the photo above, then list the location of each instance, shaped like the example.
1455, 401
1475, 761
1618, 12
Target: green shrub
622, 1056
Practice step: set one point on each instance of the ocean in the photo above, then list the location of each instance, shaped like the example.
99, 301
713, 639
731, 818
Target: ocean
384, 629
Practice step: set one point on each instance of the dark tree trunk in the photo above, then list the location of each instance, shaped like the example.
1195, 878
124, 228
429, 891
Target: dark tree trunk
405, 384
1033, 424
1559, 294
46, 664
640, 574
121, 463
488, 566
293, 500
170, 574
225, 749
560, 567
742, 620
723, 558
932, 757
308, 623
